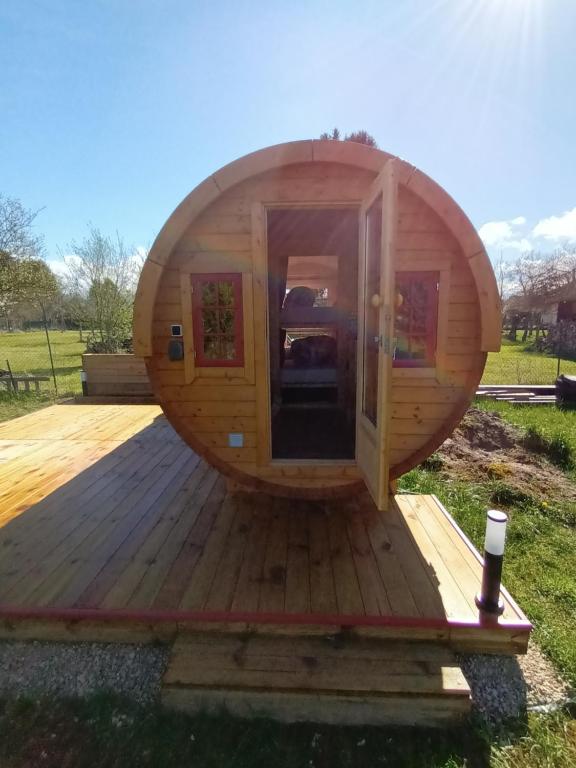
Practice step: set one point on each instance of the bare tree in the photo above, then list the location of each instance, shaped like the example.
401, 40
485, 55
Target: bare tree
536, 279
102, 277
17, 238
538, 274
25, 279
360, 137
503, 271
333, 135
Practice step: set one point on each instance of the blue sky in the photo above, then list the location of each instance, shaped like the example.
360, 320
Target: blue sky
113, 110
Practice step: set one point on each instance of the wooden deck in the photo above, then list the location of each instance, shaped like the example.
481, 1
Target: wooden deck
110, 523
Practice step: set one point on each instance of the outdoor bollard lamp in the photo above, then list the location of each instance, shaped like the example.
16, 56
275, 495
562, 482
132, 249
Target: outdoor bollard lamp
489, 600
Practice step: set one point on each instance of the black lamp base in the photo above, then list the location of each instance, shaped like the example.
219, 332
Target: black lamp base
488, 606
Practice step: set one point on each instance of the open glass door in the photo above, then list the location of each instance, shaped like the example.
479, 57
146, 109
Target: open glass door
378, 215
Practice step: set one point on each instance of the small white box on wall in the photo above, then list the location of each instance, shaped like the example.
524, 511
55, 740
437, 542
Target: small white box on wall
236, 440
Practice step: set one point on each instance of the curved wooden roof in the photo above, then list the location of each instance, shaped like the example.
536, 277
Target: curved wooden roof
347, 153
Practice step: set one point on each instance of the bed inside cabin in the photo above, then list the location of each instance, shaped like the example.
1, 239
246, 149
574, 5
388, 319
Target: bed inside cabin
312, 310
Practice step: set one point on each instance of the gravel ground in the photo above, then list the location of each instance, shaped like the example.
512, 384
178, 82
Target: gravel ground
79, 669
504, 686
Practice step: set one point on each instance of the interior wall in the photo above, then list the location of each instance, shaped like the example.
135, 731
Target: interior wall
323, 243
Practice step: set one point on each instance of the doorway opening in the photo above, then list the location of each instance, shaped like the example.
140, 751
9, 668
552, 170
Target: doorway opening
313, 306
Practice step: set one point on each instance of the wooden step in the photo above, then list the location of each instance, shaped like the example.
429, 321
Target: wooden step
339, 680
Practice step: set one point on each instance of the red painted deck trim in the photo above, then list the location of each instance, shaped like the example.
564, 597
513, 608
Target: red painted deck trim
251, 617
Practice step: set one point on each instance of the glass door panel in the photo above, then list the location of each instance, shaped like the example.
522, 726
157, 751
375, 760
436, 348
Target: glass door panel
371, 340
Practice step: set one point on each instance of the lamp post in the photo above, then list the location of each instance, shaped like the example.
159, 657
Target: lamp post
489, 600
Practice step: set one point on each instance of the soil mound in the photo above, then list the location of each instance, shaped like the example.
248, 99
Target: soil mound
485, 447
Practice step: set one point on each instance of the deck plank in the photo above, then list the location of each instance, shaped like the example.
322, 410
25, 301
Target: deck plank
298, 563
397, 587
442, 561
418, 573
470, 572
322, 588
251, 575
226, 574
348, 594
134, 542
273, 587
212, 554
374, 595
90, 546
163, 580
54, 538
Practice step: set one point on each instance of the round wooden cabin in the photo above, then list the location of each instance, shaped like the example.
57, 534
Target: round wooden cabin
315, 316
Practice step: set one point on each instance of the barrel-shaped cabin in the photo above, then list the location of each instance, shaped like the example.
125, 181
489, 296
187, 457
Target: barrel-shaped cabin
315, 316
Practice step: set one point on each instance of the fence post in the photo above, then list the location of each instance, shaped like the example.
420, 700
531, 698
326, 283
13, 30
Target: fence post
14, 388
49, 349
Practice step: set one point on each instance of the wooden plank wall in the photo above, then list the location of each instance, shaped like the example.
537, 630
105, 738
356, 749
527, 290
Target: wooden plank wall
116, 376
220, 239
421, 406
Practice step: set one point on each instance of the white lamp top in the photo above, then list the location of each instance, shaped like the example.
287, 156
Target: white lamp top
495, 532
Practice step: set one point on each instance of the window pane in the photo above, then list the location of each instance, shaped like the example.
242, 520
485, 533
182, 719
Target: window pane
418, 348
416, 315
208, 294
210, 321
225, 294
212, 347
228, 348
226, 324
217, 317
372, 256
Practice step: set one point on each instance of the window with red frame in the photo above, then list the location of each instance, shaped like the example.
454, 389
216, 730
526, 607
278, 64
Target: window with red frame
218, 321
416, 319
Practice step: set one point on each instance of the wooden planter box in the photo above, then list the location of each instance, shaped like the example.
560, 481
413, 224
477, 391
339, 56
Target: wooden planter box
118, 375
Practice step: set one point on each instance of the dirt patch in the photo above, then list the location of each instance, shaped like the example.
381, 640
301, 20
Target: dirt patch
485, 447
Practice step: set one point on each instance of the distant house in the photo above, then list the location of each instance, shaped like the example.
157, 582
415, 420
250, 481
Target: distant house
566, 303
551, 308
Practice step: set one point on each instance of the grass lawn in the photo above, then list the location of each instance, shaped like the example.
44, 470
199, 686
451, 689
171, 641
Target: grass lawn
107, 732
27, 352
12, 406
514, 364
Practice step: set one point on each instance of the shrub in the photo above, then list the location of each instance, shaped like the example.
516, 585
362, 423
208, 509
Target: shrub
560, 452
507, 496
498, 470
433, 463
109, 346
